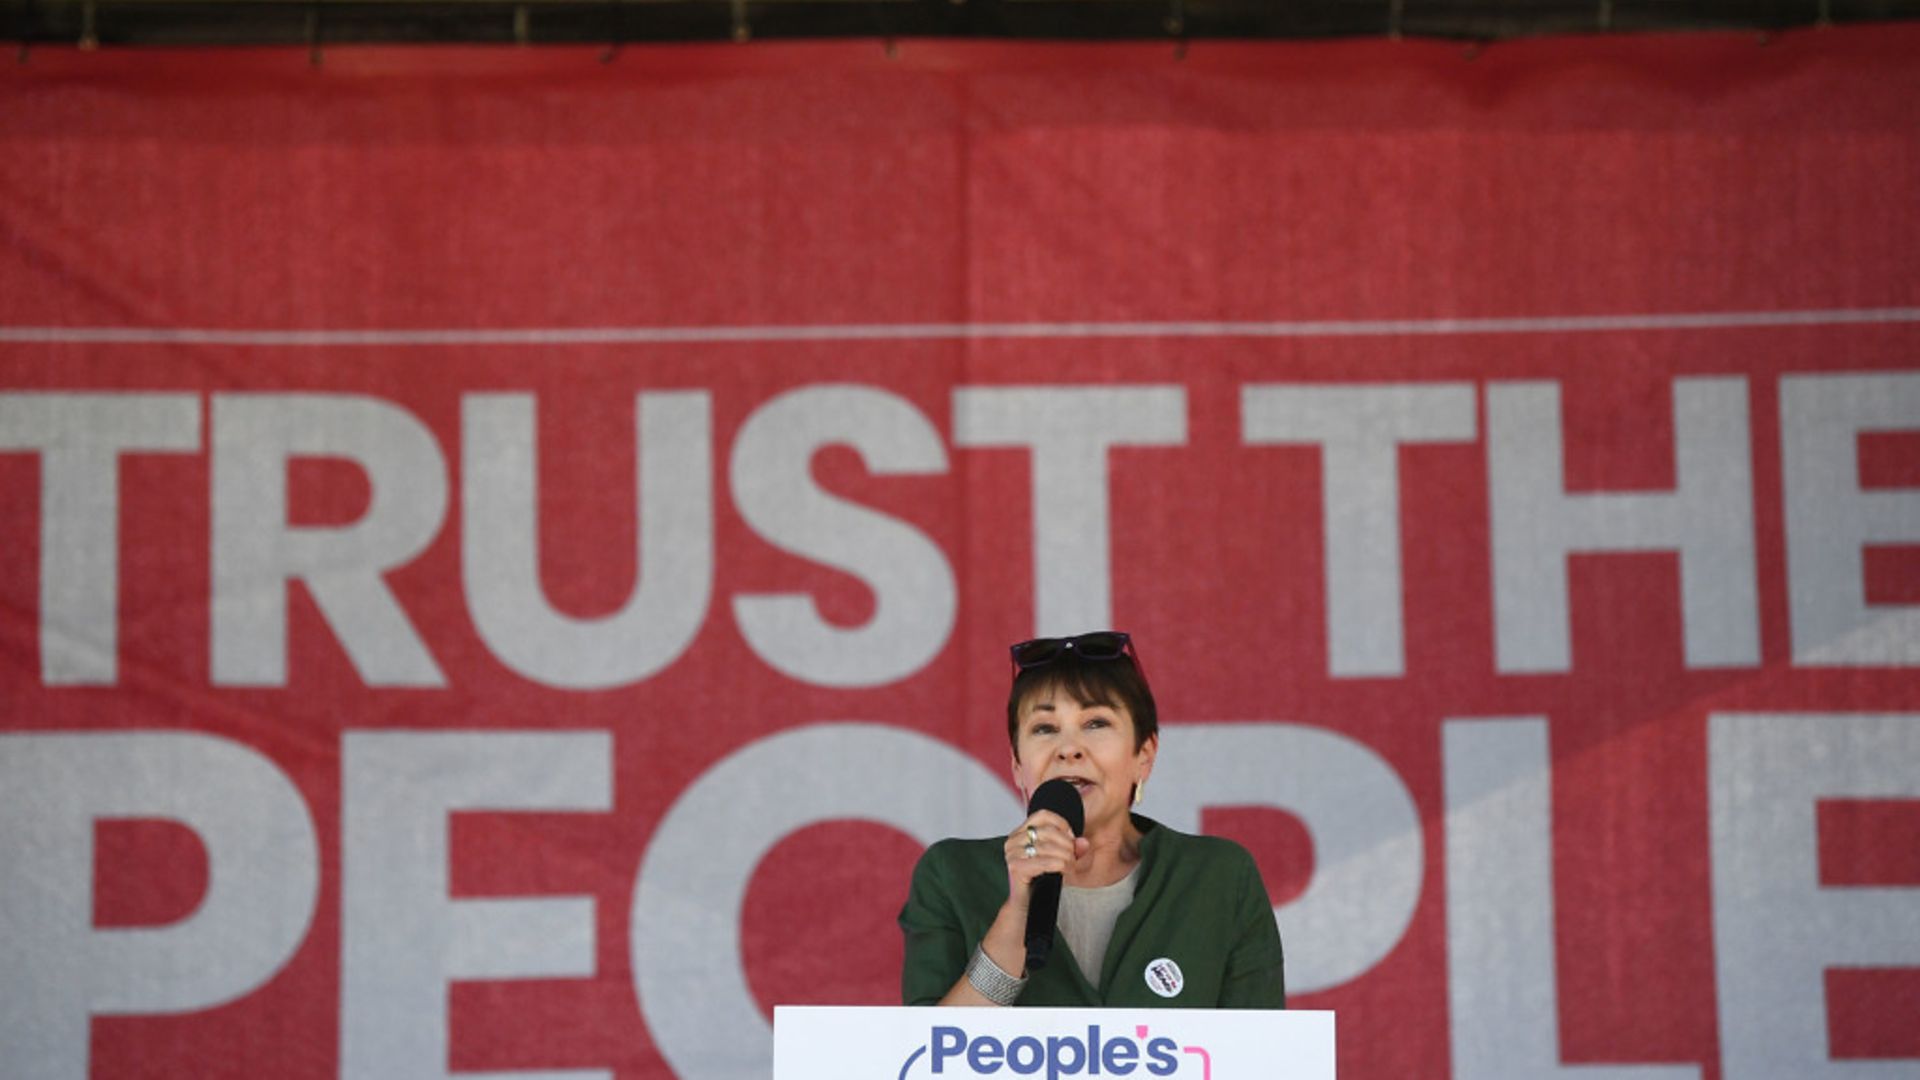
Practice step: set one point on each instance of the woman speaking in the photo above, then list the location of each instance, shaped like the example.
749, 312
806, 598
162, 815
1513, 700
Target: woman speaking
1147, 916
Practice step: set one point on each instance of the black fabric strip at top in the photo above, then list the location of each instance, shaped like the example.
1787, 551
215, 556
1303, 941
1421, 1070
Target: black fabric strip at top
316, 23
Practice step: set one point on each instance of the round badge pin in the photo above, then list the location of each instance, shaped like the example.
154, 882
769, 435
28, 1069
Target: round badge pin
1164, 978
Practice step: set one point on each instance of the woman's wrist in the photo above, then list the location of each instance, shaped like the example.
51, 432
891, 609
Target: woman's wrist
991, 980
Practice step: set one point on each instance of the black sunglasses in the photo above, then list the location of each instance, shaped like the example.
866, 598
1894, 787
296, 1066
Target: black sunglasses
1098, 645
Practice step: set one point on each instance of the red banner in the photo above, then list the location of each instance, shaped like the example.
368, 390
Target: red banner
512, 552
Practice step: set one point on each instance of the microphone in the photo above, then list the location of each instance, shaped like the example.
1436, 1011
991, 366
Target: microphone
1043, 903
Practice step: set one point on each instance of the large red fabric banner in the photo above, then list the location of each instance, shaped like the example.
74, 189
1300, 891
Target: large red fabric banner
510, 553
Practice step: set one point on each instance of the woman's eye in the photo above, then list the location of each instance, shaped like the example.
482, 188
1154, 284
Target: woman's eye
1041, 729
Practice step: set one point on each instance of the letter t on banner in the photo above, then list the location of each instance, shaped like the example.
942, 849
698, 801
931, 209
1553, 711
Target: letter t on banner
80, 438
1359, 430
1070, 430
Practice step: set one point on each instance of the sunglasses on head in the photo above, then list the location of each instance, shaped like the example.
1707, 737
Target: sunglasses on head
1099, 645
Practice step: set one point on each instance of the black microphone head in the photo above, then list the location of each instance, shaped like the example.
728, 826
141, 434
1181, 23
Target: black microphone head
1062, 798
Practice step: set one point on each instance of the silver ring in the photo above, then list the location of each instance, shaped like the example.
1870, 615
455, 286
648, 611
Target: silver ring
1029, 851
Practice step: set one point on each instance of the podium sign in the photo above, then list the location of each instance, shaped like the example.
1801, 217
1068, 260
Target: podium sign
824, 1043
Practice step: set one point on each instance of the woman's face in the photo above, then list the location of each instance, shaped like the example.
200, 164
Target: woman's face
1091, 746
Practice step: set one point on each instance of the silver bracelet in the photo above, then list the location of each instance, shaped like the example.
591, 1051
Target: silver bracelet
985, 976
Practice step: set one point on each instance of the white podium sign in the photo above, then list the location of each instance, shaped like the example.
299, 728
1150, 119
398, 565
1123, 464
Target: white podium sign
821, 1043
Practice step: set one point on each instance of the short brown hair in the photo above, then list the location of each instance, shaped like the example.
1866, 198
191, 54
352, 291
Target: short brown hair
1115, 682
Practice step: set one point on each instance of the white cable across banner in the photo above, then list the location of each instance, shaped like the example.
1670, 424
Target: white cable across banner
698, 335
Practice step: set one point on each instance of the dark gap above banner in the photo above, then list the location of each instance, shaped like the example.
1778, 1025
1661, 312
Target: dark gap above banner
326, 22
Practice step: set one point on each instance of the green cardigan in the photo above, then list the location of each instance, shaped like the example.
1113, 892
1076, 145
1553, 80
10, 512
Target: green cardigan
1198, 901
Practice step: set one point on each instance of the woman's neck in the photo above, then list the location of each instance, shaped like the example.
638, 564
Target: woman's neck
1114, 854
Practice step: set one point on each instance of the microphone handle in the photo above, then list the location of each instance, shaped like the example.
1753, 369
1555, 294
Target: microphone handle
1043, 911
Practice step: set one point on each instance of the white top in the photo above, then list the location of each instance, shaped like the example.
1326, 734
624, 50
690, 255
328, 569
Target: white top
1087, 917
